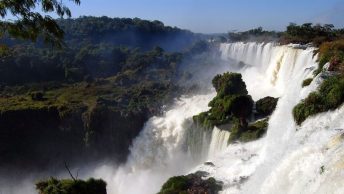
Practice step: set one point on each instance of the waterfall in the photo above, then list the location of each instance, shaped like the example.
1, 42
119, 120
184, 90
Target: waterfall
159, 151
288, 159
197, 142
218, 141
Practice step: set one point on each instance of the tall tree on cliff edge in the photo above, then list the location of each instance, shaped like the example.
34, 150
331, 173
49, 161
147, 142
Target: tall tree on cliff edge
31, 24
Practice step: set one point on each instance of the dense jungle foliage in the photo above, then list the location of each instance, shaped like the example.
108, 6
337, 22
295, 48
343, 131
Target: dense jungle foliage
69, 186
95, 47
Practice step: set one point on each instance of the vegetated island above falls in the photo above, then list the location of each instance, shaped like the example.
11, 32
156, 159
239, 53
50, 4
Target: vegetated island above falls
232, 107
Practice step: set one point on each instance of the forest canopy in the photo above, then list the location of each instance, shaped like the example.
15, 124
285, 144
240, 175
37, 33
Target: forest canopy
31, 24
95, 47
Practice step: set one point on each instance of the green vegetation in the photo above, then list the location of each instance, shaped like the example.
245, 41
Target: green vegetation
330, 50
265, 106
144, 78
329, 96
296, 34
257, 34
232, 105
29, 64
133, 33
230, 102
30, 24
68, 186
93, 97
322, 169
73, 96
192, 183
128, 80
79, 117
333, 53
229, 84
253, 131
97, 48
309, 33
306, 82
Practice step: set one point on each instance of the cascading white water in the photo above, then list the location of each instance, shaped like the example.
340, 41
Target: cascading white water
159, 151
289, 159
218, 141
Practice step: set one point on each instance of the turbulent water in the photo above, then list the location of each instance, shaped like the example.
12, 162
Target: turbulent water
159, 151
289, 159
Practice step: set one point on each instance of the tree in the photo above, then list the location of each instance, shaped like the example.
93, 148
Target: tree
229, 84
31, 24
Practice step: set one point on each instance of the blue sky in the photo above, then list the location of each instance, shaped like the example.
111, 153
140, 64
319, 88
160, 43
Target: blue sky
210, 16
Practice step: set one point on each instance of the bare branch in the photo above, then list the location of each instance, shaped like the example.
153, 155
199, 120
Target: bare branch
70, 173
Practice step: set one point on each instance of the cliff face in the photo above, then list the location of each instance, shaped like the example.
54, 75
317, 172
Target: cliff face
109, 132
42, 138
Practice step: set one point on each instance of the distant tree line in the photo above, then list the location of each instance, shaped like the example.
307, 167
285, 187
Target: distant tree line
29, 64
96, 48
311, 33
298, 34
119, 31
125, 31
256, 34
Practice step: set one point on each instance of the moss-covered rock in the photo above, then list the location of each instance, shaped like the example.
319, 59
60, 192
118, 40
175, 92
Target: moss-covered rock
307, 82
232, 105
69, 186
229, 84
253, 131
266, 106
329, 96
231, 101
192, 183
241, 106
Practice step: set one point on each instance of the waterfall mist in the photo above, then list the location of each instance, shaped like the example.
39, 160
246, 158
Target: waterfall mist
288, 159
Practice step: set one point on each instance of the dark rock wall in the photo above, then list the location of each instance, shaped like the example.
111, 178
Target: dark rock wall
40, 138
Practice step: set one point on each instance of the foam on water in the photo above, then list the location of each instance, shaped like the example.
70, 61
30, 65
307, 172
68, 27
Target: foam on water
288, 159
159, 151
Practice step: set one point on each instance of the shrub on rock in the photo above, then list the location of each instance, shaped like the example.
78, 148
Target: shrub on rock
192, 183
306, 82
232, 105
231, 101
329, 96
69, 186
229, 84
266, 106
252, 132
